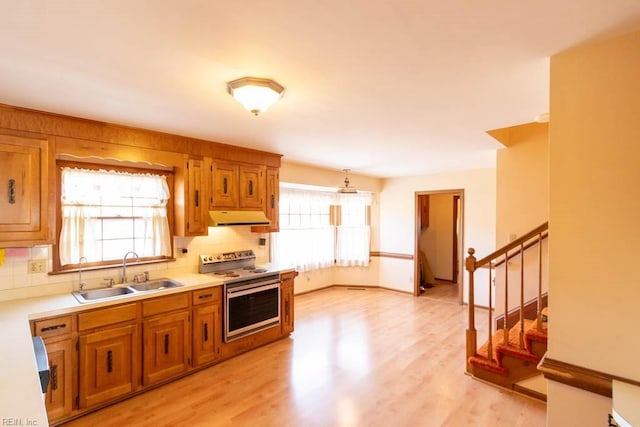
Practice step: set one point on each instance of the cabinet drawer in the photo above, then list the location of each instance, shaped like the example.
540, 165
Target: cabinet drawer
55, 326
208, 295
107, 316
165, 304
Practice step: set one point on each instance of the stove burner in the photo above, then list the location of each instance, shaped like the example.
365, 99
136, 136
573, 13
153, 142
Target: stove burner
227, 274
255, 269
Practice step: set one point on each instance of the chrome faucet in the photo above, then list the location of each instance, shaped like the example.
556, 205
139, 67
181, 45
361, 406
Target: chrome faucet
124, 265
82, 283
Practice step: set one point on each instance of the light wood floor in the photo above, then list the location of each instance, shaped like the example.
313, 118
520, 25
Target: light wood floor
357, 358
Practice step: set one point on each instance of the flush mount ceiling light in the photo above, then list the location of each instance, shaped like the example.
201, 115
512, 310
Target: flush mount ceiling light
346, 189
255, 94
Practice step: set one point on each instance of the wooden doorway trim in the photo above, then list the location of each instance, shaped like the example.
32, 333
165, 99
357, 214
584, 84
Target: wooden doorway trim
457, 193
456, 238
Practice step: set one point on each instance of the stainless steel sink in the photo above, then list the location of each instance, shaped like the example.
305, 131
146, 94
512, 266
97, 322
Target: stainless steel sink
132, 289
155, 285
104, 293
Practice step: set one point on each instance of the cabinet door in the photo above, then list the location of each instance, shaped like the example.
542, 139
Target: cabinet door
24, 191
224, 185
252, 187
271, 202
207, 332
196, 201
286, 296
108, 364
166, 346
59, 396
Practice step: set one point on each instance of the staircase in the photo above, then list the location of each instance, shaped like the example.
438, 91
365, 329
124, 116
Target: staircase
517, 340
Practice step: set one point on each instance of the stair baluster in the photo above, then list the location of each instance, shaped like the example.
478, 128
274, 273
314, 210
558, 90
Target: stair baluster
539, 318
490, 329
505, 325
511, 362
521, 341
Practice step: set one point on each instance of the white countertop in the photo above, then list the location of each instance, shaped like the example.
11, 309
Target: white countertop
21, 401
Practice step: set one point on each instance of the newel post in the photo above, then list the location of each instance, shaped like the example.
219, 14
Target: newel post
470, 265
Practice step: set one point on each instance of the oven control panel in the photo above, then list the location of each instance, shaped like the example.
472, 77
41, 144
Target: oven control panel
226, 257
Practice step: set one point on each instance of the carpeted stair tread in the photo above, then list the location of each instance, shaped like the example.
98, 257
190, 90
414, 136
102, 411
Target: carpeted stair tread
528, 353
489, 365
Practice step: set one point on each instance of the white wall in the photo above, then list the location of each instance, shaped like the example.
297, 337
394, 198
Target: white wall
397, 222
16, 283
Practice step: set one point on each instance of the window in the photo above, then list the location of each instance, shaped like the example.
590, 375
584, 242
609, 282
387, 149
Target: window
319, 229
106, 213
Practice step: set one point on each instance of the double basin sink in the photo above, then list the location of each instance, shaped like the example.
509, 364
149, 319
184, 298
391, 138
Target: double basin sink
132, 289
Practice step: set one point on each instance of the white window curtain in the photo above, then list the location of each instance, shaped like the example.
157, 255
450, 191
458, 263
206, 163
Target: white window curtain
93, 200
353, 235
307, 240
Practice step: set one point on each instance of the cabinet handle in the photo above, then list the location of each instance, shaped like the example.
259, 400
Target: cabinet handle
12, 191
251, 188
53, 327
273, 201
203, 296
110, 361
197, 198
166, 343
206, 332
224, 185
54, 377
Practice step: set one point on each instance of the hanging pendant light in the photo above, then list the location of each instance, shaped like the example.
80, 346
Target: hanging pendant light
346, 189
255, 94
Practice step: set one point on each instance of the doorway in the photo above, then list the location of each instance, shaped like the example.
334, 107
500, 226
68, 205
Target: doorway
439, 237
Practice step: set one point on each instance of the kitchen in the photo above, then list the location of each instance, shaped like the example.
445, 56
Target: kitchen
403, 94
40, 297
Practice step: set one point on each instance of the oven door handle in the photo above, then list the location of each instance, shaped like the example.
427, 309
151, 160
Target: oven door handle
251, 289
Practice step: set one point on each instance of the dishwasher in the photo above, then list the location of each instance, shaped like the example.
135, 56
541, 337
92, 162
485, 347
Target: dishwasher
42, 363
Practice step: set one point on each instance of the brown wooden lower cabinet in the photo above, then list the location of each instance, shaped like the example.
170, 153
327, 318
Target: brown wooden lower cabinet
107, 364
60, 340
59, 396
286, 298
166, 347
207, 327
103, 350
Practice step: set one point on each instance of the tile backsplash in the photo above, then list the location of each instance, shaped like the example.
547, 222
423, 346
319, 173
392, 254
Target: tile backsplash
17, 282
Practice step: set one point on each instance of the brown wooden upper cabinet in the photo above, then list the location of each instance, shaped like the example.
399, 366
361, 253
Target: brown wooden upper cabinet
211, 184
196, 198
272, 201
24, 194
237, 186
224, 184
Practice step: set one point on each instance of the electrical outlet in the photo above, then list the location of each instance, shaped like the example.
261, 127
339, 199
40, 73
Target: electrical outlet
37, 266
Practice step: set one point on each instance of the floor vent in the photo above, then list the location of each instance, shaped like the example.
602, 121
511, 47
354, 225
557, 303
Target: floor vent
357, 289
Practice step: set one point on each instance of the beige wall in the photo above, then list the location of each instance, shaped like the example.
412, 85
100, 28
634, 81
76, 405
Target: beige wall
593, 216
522, 203
397, 222
297, 173
522, 192
393, 222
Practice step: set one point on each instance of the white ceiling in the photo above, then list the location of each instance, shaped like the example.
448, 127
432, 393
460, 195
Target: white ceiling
386, 88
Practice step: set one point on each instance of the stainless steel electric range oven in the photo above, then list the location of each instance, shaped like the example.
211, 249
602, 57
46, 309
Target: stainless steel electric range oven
252, 294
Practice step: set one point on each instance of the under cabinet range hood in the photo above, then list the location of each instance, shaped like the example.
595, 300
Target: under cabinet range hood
229, 218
